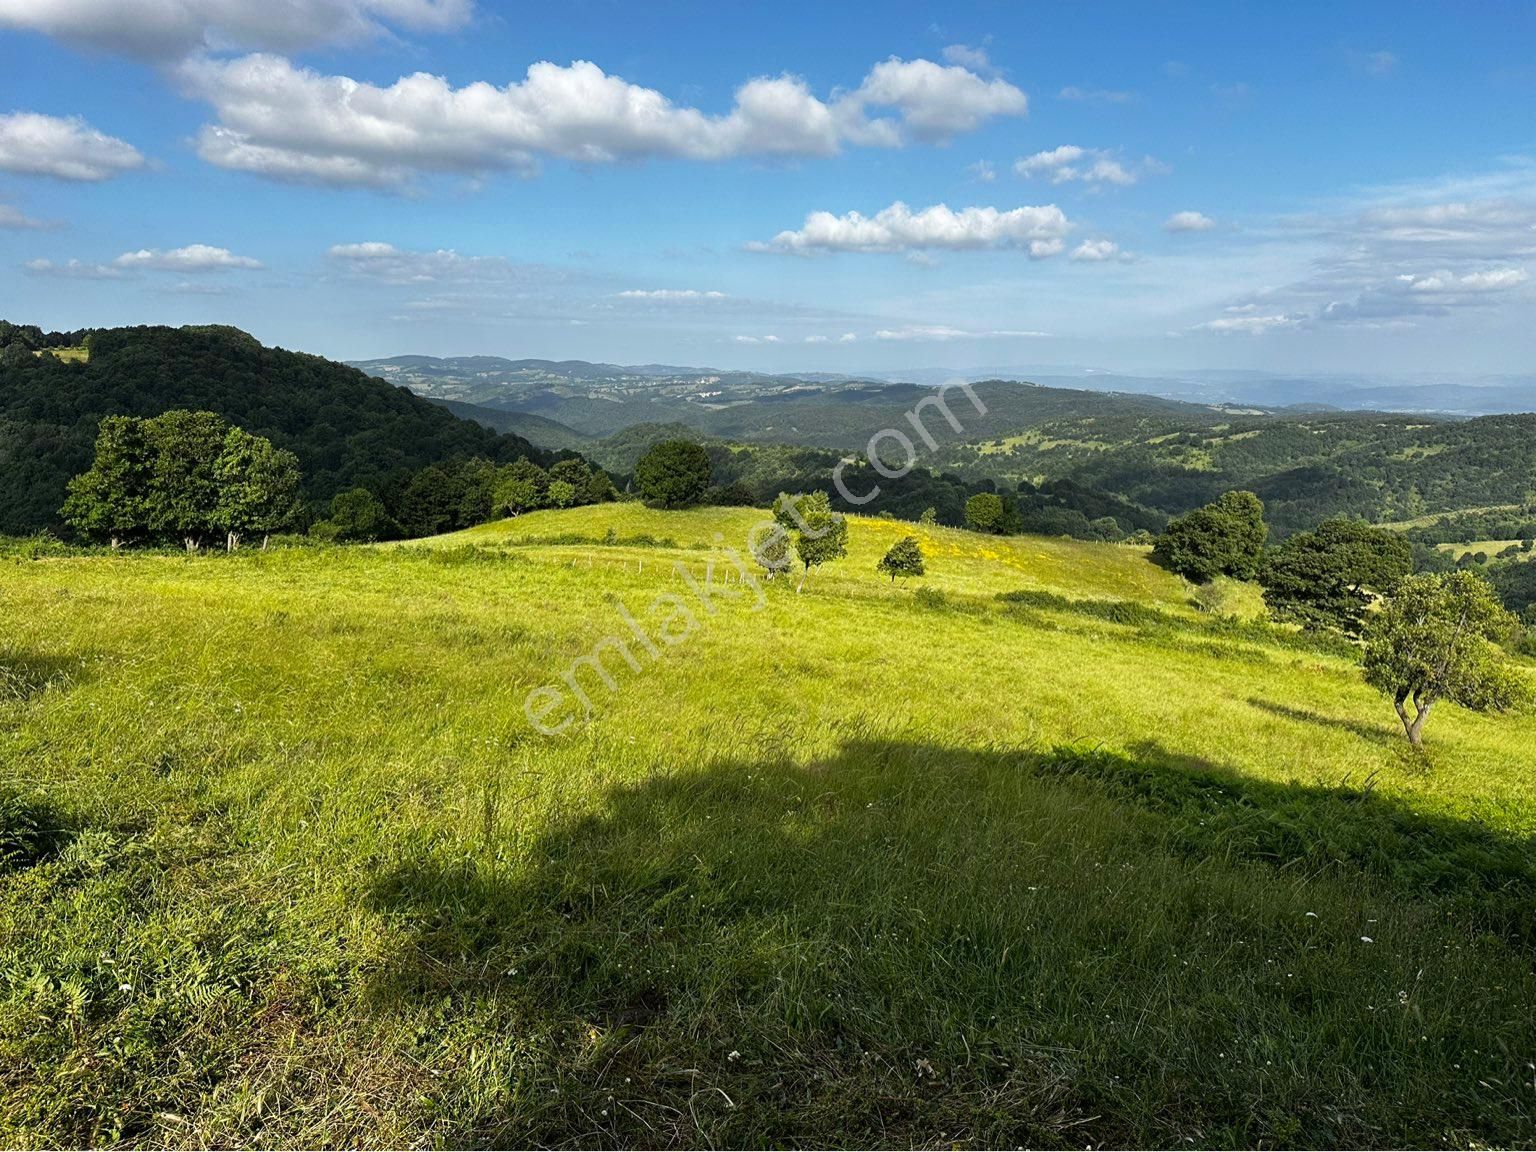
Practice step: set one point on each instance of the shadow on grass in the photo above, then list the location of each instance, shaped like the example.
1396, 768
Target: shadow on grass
24, 675
1152, 623
1375, 733
31, 830
904, 944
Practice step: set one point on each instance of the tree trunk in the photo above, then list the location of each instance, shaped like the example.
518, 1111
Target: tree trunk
1413, 726
116, 543
265, 540
190, 542
232, 542
800, 587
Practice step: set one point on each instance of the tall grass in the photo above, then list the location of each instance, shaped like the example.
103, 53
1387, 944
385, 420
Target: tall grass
283, 863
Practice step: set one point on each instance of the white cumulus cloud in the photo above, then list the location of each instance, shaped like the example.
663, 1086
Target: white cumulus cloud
1069, 163
32, 144
1094, 251
1038, 230
166, 29
285, 122
192, 258
1188, 222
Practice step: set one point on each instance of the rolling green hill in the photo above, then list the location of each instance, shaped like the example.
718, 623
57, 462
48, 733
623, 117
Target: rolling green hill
1026, 852
346, 427
537, 430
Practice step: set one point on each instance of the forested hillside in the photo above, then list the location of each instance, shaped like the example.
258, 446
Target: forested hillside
346, 428
1305, 468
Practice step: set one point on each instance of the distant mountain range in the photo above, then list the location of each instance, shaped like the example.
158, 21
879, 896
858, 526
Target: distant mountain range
529, 385
562, 404
1460, 396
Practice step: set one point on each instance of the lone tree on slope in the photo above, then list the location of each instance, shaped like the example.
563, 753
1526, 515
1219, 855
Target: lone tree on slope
904, 559
1434, 640
819, 534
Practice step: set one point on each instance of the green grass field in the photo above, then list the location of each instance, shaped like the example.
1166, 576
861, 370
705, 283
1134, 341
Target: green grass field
285, 864
1490, 548
76, 355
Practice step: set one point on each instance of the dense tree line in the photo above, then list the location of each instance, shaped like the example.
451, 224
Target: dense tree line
754, 473
182, 477
460, 494
347, 429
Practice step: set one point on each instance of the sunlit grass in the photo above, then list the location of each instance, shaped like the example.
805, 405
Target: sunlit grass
855, 867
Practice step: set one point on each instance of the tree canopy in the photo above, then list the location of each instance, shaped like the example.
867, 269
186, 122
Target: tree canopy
1225, 538
1325, 578
1435, 639
182, 476
905, 558
674, 474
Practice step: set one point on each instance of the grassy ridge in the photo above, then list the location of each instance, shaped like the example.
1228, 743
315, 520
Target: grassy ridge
287, 865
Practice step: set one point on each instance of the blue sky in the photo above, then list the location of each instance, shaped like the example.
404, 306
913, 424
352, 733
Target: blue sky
1139, 186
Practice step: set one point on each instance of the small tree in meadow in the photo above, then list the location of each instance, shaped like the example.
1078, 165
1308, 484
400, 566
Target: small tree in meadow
929, 518
771, 551
819, 534
905, 558
1433, 640
562, 494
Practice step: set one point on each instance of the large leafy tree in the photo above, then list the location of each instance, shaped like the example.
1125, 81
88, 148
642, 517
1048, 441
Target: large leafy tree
358, 515
1435, 639
673, 474
984, 512
184, 487
521, 486
258, 485
1326, 578
1225, 538
110, 501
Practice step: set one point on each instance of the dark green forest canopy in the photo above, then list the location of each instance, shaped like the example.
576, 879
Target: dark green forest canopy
346, 428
